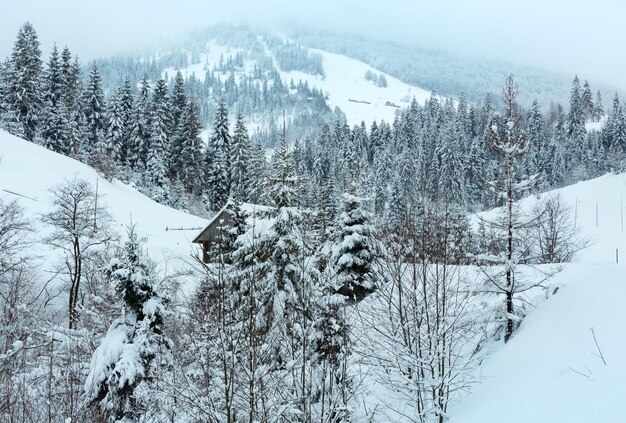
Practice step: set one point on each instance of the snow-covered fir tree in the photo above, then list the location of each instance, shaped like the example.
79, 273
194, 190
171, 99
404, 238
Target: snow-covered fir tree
240, 163
218, 160
121, 376
94, 107
22, 97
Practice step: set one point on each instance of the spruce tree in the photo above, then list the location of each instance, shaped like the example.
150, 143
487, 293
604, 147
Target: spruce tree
353, 251
123, 368
598, 110
576, 120
139, 142
159, 143
55, 129
218, 160
189, 162
94, 110
23, 97
240, 162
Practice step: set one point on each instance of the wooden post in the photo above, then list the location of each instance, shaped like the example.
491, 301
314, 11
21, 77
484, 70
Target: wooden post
95, 208
617, 255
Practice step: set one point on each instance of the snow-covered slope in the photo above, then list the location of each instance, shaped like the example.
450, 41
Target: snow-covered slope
361, 100
551, 371
343, 83
28, 171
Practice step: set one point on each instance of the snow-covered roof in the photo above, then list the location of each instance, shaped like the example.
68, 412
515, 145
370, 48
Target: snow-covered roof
249, 209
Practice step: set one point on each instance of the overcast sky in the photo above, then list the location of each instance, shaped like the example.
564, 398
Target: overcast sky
570, 36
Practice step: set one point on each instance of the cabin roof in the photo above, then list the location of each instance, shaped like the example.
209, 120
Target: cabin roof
249, 209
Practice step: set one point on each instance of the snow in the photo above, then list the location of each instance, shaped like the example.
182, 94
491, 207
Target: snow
344, 80
344, 83
206, 62
551, 370
596, 126
28, 171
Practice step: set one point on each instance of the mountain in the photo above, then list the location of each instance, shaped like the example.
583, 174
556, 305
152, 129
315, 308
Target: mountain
265, 76
442, 72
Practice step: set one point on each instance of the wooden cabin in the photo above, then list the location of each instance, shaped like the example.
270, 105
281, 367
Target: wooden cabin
207, 237
210, 234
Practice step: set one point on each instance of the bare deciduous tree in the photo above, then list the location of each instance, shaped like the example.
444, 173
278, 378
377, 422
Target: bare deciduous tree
80, 225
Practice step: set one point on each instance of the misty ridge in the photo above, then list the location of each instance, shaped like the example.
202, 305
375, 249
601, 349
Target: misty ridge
324, 226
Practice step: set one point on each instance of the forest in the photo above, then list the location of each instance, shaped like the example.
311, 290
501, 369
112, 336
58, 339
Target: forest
356, 271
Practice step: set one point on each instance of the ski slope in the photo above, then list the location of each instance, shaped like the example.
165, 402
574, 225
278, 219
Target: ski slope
344, 81
551, 371
28, 172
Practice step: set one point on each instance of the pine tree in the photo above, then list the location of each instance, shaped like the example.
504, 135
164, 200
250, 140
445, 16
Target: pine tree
218, 160
587, 101
189, 162
353, 251
94, 110
23, 97
451, 182
258, 173
55, 129
139, 143
159, 144
120, 122
598, 109
178, 100
120, 380
576, 120
240, 162
538, 161
73, 97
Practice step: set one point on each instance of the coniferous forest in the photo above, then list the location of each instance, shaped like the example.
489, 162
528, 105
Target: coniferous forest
353, 270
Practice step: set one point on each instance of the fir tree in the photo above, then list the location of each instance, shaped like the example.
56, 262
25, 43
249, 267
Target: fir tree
123, 366
587, 101
353, 251
55, 129
240, 162
159, 144
576, 119
218, 161
189, 162
94, 110
598, 108
139, 143
23, 97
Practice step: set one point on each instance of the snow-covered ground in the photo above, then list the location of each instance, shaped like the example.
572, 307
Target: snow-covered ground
344, 81
551, 371
28, 171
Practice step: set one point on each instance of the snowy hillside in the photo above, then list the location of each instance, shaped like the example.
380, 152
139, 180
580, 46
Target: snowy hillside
28, 171
344, 83
361, 100
552, 371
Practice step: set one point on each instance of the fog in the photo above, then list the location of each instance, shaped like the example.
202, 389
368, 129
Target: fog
567, 36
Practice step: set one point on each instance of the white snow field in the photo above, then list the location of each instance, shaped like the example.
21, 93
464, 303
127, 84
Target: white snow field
28, 171
344, 81
552, 370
